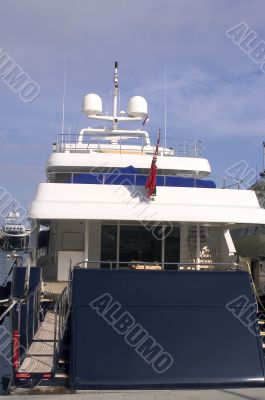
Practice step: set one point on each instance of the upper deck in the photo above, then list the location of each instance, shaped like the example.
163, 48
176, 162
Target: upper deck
79, 153
113, 145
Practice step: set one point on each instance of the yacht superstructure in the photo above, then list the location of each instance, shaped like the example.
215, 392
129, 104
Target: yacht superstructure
95, 201
127, 272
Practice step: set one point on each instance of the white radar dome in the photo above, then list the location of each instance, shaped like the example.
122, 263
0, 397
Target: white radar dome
137, 107
92, 104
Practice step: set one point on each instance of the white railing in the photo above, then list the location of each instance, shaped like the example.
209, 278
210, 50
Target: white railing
175, 266
119, 144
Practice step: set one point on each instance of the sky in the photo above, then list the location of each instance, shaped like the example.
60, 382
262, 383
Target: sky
215, 91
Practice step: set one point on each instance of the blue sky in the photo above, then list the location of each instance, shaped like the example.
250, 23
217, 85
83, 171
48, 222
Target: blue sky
215, 92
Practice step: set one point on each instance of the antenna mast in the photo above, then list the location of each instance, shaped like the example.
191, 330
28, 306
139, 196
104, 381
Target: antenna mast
165, 99
64, 86
115, 96
262, 174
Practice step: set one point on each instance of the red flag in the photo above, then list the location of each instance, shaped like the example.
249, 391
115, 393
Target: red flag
151, 181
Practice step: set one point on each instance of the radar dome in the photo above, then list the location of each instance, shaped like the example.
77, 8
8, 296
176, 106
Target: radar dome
92, 105
137, 107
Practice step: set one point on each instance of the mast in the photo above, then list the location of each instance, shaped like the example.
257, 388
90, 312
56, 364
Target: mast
136, 111
165, 99
115, 95
64, 88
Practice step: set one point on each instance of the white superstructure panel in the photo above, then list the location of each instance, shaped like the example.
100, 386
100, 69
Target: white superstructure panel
109, 202
94, 159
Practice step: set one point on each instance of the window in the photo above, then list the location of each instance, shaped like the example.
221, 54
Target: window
137, 243
140, 244
172, 248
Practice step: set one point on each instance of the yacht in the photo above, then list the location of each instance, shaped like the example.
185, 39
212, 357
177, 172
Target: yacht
250, 240
14, 234
132, 278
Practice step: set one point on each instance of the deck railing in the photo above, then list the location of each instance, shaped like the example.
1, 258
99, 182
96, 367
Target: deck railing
9, 308
175, 147
21, 321
61, 311
139, 264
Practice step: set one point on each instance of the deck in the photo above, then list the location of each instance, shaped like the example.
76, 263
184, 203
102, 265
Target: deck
39, 358
221, 394
52, 290
40, 355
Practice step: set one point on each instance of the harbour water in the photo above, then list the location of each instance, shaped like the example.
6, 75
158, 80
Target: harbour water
5, 365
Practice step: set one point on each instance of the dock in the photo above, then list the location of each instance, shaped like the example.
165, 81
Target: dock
221, 394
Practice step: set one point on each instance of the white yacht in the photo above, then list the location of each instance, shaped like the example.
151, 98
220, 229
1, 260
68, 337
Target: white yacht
137, 234
97, 208
14, 234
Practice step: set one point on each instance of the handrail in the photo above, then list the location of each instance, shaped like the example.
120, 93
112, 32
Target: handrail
76, 142
196, 265
8, 309
20, 300
16, 327
3, 301
61, 310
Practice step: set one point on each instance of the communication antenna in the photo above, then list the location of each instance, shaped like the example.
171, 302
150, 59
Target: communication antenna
165, 100
263, 157
116, 94
262, 174
64, 89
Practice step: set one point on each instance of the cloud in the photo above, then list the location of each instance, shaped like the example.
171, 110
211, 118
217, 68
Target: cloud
207, 103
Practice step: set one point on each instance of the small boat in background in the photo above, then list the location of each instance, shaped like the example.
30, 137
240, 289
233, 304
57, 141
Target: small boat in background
14, 234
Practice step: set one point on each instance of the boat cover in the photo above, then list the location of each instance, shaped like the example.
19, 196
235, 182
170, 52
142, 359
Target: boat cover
164, 329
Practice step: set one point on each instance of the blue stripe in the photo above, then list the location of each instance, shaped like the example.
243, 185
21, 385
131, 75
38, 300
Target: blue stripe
140, 180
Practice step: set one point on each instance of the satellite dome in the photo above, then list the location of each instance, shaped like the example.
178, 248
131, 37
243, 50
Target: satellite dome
137, 107
92, 105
